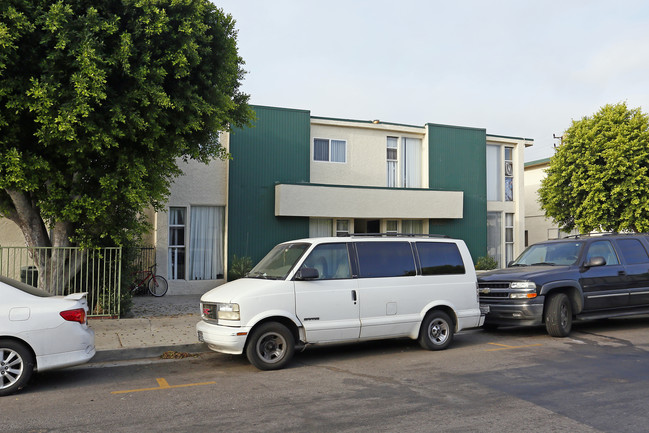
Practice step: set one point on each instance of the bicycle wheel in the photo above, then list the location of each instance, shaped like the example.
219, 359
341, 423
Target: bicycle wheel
158, 285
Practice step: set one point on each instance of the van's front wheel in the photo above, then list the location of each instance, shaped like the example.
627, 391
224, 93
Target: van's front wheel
436, 331
271, 346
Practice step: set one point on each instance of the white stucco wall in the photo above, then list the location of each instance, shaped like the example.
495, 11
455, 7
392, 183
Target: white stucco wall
366, 152
201, 185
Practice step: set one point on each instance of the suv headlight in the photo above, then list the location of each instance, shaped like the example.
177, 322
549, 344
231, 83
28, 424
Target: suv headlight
523, 285
227, 312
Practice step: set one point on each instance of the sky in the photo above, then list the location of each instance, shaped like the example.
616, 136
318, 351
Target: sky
516, 68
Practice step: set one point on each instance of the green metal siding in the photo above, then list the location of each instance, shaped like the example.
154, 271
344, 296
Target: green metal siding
457, 162
275, 150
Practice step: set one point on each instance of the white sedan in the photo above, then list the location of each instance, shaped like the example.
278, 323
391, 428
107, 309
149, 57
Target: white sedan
40, 332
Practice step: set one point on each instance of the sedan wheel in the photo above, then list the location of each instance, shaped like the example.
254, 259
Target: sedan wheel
16, 366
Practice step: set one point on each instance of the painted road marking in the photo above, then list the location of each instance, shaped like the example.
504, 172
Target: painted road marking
506, 347
163, 384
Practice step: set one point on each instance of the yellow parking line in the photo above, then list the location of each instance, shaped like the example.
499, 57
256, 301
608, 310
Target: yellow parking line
506, 347
163, 384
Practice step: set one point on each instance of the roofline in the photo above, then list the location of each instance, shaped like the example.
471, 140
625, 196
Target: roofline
537, 162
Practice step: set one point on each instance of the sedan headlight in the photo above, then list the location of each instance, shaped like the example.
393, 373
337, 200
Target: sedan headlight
227, 312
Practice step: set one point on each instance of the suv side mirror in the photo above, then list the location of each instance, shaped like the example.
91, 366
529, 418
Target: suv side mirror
595, 261
306, 274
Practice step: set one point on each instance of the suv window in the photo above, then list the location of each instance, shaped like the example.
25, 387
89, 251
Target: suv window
602, 249
440, 258
385, 259
558, 253
633, 251
331, 261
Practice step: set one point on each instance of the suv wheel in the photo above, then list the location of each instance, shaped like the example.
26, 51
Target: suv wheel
558, 315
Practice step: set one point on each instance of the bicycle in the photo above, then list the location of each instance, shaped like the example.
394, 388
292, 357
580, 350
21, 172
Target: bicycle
156, 284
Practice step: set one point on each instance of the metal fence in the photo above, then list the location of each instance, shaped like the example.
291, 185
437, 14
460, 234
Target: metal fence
62, 271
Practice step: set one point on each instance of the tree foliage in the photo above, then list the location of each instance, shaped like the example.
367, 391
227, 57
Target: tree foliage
598, 178
98, 101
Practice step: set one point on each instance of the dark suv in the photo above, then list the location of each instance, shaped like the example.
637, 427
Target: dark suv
581, 277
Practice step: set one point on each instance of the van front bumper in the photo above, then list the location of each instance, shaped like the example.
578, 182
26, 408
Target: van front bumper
223, 339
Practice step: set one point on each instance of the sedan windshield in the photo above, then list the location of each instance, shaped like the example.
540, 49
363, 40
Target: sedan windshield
279, 261
563, 253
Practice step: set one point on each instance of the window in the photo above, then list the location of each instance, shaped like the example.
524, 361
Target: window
329, 150
320, 227
203, 248
494, 230
439, 258
411, 163
385, 259
509, 237
331, 261
392, 226
342, 228
177, 243
509, 174
494, 182
411, 226
393, 143
206, 243
633, 251
602, 249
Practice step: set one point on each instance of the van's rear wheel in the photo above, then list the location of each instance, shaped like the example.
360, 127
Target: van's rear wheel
436, 331
558, 315
271, 346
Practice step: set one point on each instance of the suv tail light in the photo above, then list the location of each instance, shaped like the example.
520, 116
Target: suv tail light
76, 315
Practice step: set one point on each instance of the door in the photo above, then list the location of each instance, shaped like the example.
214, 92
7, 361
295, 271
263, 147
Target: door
328, 306
636, 265
388, 289
605, 287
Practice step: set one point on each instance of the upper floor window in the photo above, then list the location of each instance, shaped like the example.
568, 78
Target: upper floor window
509, 174
393, 144
500, 173
328, 150
411, 163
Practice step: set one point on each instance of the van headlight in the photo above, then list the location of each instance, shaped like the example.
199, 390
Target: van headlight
227, 312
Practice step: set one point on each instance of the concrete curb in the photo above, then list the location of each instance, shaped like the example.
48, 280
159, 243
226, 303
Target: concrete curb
146, 352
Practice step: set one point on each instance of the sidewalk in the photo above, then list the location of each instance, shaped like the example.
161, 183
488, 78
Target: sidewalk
157, 325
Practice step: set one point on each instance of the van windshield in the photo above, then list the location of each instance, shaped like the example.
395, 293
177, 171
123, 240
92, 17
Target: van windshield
279, 261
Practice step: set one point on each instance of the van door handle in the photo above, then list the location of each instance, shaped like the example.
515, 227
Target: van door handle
354, 296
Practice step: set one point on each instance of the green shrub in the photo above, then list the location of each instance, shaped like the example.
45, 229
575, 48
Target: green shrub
486, 263
239, 267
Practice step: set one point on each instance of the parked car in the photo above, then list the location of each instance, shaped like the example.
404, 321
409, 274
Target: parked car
40, 332
577, 278
333, 290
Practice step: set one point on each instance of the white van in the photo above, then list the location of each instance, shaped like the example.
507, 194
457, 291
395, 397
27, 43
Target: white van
332, 290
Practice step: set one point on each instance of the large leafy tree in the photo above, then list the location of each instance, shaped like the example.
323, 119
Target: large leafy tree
598, 178
98, 101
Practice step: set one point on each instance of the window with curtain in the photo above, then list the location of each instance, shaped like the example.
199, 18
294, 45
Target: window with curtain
392, 145
494, 179
411, 163
176, 265
206, 242
494, 235
411, 226
329, 150
320, 227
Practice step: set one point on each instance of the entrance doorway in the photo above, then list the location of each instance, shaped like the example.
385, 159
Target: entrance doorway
367, 226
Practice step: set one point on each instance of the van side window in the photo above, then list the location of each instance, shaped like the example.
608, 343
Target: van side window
440, 258
385, 259
331, 261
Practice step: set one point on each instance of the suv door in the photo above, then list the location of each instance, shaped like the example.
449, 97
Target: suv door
328, 306
604, 286
636, 265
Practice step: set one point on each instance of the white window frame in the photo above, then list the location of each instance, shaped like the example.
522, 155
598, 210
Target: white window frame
330, 151
341, 230
392, 163
174, 248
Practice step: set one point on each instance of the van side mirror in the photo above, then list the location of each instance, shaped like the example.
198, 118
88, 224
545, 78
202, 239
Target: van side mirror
306, 274
595, 261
